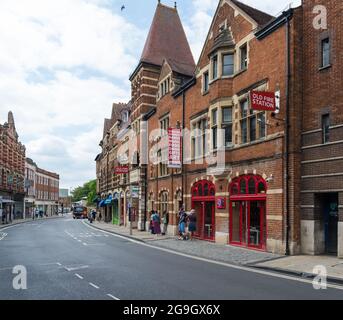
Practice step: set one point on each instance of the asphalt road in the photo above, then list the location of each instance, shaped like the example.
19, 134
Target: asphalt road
67, 260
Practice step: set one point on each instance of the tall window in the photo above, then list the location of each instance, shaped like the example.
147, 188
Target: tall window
325, 53
199, 138
206, 82
227, 126
162, 163
228, 65
164, 125
164, 202
244, 57
215, 67
253, 124
214, 129
326, 128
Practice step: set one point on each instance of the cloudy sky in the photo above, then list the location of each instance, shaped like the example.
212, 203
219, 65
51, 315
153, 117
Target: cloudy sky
64, 62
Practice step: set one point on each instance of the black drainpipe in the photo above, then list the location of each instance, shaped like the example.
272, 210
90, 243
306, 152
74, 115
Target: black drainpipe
183, 132
287, 124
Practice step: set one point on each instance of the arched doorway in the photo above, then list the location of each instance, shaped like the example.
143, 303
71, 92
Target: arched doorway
203, 202
248, 195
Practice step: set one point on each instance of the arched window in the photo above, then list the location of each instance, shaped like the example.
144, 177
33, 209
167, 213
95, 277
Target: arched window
204, 188
248, 185
163, 202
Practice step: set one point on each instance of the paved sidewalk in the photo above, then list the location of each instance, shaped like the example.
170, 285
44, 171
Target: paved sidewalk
203, 249
304, 266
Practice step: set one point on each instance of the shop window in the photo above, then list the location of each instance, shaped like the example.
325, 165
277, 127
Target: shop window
261, 188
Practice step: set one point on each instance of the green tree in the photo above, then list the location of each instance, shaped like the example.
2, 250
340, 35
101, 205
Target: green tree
88, 190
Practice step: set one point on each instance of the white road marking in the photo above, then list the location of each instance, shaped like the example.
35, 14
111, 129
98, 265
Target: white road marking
78, 276
59, 264
75, 268
223, 264
3, 235
113, 297
93, 285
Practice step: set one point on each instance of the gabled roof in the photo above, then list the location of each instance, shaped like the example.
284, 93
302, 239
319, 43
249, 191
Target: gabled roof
167, 40
259, 16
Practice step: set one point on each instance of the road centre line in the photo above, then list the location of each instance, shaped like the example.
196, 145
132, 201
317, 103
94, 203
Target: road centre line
223, 264
93, 285
113, 297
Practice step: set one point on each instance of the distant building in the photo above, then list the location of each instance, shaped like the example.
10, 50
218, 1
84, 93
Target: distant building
30, 187
65, 200
12, 164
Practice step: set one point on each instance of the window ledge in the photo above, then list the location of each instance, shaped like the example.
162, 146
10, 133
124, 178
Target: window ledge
325, 67
238, 73
205, 93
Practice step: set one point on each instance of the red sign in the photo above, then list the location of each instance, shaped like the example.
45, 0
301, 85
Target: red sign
122, 170
174, 158
263, 101
221, 203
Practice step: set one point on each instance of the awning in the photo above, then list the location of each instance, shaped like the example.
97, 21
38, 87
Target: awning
102, 203
6, 201
108, 201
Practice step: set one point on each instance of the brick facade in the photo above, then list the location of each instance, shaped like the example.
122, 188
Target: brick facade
12, 170
263, 166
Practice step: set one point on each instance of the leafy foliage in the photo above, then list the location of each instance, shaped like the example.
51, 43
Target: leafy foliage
88, 190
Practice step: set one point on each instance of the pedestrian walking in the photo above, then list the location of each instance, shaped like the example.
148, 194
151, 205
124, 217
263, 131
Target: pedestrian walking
192, 224
165, 221
151, 223
182, 224
156, 223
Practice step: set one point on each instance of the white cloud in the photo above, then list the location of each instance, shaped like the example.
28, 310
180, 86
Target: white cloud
62, 63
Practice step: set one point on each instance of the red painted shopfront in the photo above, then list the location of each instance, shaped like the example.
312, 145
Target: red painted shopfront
203, 201
248, 195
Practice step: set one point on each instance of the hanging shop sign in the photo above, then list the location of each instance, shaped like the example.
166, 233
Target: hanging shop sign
175, 149
122, 170
263, 101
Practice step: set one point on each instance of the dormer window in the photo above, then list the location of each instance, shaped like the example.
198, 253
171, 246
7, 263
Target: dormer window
164, 87
125, 116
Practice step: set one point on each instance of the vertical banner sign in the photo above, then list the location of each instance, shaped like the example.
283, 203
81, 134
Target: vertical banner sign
263, 101
175, 152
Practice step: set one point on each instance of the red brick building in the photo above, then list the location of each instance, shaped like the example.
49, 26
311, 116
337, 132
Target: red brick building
12, 170
322, 129
257, 179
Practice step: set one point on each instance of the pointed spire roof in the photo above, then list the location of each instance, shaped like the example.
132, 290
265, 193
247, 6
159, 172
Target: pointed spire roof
167, 41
